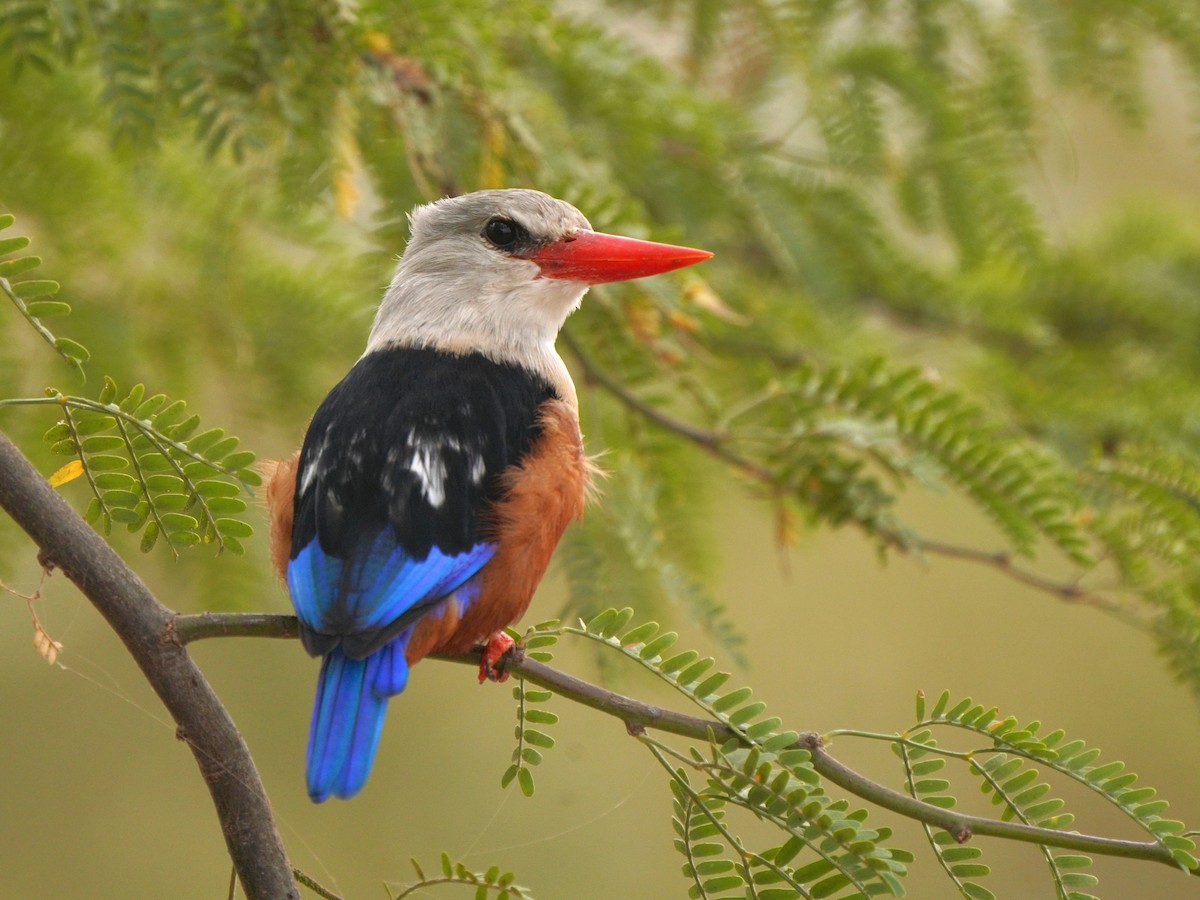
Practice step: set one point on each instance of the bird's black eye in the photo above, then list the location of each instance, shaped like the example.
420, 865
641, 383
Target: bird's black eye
502, 232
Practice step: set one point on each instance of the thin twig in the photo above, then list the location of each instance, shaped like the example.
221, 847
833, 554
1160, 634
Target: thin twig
717, 444
711, 441
1071, 591
315, 886
636, 714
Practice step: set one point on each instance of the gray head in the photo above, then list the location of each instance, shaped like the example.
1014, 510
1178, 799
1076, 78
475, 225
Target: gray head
466, 281
498, 272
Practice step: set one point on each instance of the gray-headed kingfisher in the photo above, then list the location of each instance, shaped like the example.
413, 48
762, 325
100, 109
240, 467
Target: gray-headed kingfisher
437, 477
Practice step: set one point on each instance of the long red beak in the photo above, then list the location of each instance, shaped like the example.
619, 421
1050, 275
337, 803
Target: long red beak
596, 258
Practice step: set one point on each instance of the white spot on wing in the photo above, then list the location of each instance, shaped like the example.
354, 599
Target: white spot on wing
477, 468
427, 460
427, 463
310, 471
354, 453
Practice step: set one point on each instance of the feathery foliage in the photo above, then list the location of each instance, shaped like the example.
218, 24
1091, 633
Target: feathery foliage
145, 464
822, 427
31, 295
828, 850
223, 185
1006, 779
776, 788
148, 468
492, 883
1011, 784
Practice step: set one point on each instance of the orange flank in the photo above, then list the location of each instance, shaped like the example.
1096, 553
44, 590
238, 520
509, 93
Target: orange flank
541, 498
280, 476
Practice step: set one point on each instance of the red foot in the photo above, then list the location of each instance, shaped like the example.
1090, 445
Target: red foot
498, 646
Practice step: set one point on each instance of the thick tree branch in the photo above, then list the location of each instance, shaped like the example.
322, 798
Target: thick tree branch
638, 715
68, 543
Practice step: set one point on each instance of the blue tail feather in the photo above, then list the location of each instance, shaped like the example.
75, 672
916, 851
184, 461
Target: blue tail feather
346, 723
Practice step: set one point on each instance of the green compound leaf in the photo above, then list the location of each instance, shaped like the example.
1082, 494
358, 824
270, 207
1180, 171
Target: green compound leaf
765, 775
143, 477
25, 294
827, 850
495, 882
524, 755
1009, 771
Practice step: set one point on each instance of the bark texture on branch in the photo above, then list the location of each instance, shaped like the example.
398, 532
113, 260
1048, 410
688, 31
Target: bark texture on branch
144, 625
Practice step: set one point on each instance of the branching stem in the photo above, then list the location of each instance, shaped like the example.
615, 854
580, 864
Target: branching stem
717, 444
161, 441
638, 714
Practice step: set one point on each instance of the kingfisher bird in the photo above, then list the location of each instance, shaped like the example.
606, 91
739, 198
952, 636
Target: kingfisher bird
437, 477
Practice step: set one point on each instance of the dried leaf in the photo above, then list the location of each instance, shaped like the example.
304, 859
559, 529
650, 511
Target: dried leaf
69, 472
46, 646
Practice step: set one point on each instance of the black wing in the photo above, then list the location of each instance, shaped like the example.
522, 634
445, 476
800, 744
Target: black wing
415, 440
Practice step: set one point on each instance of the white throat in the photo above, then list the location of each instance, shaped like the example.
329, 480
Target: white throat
506, 322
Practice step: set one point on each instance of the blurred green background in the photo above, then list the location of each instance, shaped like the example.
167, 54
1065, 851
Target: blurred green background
1002, 194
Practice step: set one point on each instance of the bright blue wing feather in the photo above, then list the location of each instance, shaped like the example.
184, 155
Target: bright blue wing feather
309, 576
383, 585
435, 576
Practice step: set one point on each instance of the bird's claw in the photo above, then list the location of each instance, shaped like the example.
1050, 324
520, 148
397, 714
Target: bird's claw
499, 647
